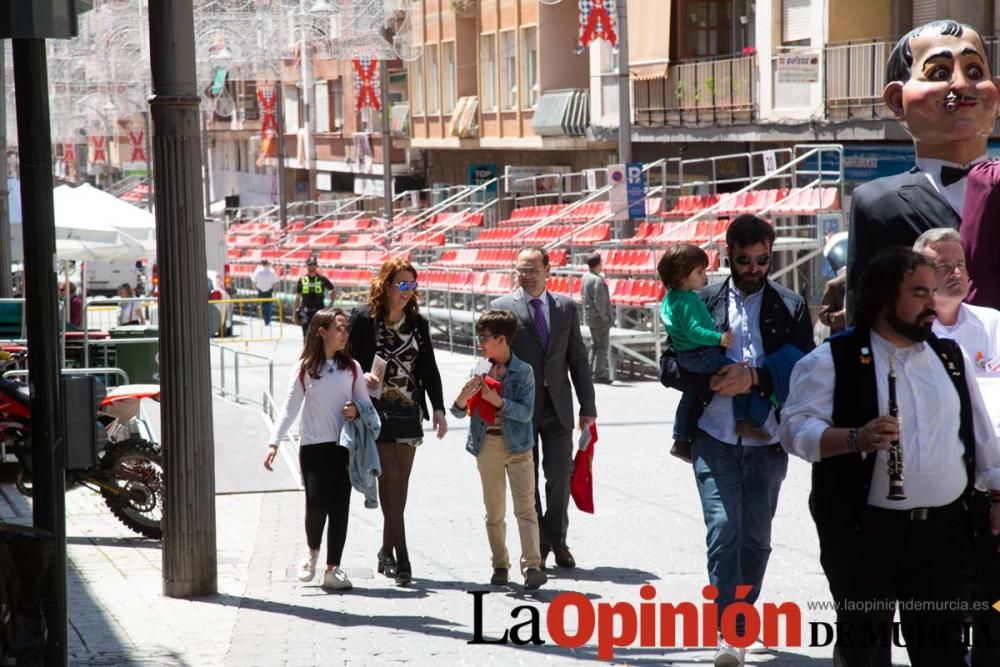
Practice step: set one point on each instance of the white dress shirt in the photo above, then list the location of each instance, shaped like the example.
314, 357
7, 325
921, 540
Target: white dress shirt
977, 331
929, 420
747, 345
954, 194
321, 402
264, 278
544, 296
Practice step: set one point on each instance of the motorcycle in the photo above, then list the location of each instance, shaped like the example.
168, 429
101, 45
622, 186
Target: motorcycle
129, 470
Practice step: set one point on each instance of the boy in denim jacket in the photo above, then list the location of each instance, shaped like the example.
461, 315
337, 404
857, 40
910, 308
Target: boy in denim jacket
500, 402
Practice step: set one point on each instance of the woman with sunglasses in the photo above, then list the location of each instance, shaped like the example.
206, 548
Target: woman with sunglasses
389, 330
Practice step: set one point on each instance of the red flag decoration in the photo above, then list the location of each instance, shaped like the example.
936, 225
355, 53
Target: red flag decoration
597, 21
69, 153
98, 144
581, 483
138, 150
367, 83
268, 102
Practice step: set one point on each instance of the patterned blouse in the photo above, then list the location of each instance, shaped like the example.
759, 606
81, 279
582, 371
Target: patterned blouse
398, 383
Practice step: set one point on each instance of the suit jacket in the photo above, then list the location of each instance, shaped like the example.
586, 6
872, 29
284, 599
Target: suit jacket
565, 353
891, 211
980, 233
596, 301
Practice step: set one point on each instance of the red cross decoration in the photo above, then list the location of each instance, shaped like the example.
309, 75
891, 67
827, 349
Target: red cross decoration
135, 138
69, 153
98, 144
268, 103
366, 83
597, 21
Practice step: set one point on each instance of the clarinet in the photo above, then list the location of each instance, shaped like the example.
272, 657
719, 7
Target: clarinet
895, 464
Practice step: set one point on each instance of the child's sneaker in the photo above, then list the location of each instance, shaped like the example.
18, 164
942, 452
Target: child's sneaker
336, 580
307, 569
747, 428
682, 450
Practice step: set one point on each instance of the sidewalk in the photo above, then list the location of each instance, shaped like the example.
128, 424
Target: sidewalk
648, 529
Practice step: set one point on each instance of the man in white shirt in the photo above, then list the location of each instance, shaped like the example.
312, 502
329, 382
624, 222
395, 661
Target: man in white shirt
875, 550
264, 279
975, 328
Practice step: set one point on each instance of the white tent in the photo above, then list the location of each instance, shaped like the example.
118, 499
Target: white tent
93, 225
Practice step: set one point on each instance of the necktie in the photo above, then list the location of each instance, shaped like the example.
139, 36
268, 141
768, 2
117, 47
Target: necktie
541, 326
951, 175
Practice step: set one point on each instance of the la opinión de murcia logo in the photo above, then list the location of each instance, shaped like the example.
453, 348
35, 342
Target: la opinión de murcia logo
572, 620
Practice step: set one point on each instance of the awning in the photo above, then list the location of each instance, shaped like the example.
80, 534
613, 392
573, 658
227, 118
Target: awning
648, 38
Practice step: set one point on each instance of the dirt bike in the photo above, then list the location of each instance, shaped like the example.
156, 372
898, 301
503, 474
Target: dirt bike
129, 471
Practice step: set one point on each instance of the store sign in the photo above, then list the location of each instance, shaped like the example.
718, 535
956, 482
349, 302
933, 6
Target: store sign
797, 67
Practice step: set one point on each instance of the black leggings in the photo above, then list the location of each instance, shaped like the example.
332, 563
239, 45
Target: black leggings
397, 462
328, 494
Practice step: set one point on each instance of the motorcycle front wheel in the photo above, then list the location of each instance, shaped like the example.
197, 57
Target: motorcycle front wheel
136, 473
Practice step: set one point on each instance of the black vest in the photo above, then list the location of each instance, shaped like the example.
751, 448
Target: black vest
840, 484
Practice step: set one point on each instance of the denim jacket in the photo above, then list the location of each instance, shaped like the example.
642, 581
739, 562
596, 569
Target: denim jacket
515, 415
363, 464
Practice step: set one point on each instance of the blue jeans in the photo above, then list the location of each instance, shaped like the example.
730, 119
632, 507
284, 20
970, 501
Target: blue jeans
265, 307
711, 360
739, 488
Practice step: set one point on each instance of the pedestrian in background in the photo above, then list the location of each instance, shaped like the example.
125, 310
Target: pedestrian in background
500, 398
548, 339
600, 315
326, 388
264, 279
310, 295
392, 342
129, 312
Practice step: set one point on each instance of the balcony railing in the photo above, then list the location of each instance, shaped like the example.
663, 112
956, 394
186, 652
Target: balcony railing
720, 91
855, 78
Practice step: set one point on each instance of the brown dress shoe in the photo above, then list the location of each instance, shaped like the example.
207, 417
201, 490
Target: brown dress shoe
563, 557
499, 577
534, 578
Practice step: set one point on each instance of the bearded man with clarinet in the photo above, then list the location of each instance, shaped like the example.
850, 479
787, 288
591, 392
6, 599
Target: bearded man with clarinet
884, 544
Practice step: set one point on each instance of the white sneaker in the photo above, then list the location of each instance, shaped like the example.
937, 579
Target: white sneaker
728, 655
307, 569
336, 580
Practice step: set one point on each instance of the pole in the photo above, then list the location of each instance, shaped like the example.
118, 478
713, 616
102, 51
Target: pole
189, 544
150, 194
624, 102
206, 182
386, 148
6, 282
34, 142
279, 109
308, 96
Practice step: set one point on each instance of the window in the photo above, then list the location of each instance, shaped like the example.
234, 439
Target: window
448, 74
529, 66
706, 28
433, 90
795, 21
417, 94
508, 70
488, 71
322, 107
336, 88
291, 95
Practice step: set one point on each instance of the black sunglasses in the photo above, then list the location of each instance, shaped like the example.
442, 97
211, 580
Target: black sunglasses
745, 260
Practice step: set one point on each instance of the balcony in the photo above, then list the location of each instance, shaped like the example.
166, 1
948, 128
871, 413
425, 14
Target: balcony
701, 93
855, 78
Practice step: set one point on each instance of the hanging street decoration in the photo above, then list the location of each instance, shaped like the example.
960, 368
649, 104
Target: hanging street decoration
268, 102
135, 138
367, 83
99, 144
597, 21
69, 153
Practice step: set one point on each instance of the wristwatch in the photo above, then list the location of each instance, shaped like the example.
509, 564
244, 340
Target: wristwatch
852, 441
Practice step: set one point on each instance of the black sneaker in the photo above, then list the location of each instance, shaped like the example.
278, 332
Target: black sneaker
499, 577
534, 579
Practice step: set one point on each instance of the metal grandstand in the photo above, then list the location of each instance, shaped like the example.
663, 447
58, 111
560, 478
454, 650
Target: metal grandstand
464, 244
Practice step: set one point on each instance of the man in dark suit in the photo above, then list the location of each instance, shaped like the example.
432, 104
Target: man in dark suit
940, 88
548, 339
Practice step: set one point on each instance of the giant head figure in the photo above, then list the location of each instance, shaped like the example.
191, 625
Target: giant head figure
941, 88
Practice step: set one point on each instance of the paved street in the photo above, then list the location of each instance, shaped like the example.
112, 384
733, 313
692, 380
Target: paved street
647, 529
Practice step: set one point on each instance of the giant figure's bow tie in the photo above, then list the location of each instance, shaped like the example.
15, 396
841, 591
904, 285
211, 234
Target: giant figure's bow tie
950, 175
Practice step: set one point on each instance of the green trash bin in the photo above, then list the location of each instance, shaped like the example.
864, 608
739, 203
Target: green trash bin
140, 360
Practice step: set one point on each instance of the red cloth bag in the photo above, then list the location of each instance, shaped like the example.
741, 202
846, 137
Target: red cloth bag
581, 484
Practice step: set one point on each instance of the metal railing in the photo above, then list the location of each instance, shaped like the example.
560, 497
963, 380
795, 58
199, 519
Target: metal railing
701, 92
234, 391
246, 310
855, 78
